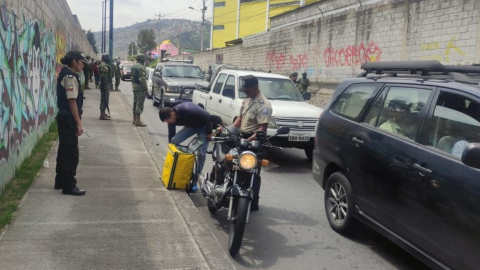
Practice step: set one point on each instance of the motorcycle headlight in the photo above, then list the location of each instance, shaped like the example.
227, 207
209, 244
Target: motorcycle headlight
247, 160
272, 123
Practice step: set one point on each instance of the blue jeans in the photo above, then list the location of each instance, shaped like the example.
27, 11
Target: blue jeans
186, 133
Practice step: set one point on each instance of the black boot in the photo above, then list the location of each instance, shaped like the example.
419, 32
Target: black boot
74, 191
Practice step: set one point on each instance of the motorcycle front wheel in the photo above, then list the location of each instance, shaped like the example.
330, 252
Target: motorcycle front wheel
237, 227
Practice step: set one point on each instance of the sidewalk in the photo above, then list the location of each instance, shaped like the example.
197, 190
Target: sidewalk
127, 219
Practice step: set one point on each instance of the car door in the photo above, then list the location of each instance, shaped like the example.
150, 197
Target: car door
381, 140
214, 95
440, 200
225, 102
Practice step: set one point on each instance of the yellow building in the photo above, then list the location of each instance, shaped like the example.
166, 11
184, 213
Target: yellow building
234, 19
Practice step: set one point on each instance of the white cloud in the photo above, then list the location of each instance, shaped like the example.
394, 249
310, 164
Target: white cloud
128, 12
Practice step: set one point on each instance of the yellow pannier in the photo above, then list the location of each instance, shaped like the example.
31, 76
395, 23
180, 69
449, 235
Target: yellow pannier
178, 168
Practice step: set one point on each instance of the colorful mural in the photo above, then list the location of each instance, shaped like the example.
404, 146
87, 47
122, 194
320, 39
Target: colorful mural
28, 52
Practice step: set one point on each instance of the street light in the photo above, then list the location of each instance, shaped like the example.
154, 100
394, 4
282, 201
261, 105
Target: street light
204, 8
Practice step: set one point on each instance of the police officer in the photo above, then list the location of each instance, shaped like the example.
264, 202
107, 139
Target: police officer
105, 74
69, 102
254, 116
140, 89
117, 75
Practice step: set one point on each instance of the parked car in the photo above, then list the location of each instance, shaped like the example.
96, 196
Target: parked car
398, 153
125, 71
290, 108
174, 81
150, 82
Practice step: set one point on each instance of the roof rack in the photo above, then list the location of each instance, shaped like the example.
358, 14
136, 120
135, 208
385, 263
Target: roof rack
188, 61
422, 68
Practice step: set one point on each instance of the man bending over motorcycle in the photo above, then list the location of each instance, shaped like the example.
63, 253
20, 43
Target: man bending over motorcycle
195, 121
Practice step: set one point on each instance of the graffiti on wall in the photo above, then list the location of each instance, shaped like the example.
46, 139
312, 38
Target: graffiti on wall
27, 85
61, 47
299, 62
352, 55
445, 55
275, 60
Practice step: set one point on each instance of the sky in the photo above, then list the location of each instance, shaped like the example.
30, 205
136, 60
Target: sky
128, 12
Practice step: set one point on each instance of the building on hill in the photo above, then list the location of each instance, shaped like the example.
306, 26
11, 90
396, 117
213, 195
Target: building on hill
234, 19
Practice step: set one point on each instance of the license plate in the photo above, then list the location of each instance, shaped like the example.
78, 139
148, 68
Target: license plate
298, 137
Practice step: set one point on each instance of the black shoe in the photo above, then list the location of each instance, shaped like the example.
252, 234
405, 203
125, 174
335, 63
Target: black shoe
254, 207
74, 191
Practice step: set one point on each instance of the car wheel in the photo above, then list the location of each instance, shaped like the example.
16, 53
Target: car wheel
155, 102
162, 102
309, 152
339, 204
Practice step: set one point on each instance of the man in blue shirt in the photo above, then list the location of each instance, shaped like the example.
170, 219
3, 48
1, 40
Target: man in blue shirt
195, 121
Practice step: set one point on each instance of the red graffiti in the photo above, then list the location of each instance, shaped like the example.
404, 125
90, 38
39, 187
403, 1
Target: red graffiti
301, 61
352, 55
275, 60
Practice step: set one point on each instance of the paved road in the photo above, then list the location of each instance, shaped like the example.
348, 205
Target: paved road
291, 230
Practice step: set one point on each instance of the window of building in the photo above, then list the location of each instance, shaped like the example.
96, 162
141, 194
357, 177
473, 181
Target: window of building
218, 27
219, 4
285, 4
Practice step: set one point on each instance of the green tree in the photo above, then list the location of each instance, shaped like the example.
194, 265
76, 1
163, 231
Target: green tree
146, 40
132, 49
92, 40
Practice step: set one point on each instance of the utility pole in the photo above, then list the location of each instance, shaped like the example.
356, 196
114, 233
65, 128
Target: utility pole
110, 47
159, 15
204, 9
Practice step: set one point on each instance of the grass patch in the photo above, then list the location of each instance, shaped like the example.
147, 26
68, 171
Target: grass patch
24, 176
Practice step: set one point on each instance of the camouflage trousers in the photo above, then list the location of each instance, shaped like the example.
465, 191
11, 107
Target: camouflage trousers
138, 102
117, 81
105, 97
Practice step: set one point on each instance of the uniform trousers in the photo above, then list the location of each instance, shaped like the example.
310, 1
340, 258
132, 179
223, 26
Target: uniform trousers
68, 154
105, 94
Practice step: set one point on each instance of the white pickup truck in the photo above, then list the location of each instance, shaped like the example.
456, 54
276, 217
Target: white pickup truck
289, 106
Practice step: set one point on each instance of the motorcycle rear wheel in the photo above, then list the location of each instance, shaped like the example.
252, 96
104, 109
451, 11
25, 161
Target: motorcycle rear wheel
237, 227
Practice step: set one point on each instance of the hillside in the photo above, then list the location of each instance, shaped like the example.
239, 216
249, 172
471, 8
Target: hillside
185, 31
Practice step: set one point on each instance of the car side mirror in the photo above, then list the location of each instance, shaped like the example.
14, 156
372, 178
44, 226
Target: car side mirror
307, 96
216, 119
283, 130
471, 155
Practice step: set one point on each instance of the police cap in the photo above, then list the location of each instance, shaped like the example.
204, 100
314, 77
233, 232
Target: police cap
247, 82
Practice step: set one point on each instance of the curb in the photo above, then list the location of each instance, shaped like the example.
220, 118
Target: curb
207, 243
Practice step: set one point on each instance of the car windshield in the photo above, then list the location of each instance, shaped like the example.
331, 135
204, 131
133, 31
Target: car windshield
276, 89
182, 71
127, 66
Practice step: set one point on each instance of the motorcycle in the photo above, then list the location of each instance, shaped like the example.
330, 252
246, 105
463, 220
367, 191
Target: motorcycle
234, 176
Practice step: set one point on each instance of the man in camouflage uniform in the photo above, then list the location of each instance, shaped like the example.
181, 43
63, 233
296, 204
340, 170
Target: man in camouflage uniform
293, 77
140, 89
87, 71
105, 74
117, 76
303, 83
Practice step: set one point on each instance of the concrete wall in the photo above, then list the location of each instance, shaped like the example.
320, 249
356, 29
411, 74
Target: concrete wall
332, 46
34, 35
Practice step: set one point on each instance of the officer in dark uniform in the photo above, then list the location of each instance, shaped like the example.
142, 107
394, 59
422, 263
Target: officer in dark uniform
69, 102
254, 116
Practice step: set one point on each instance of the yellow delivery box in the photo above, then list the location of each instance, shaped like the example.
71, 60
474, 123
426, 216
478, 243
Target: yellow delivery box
178, 168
